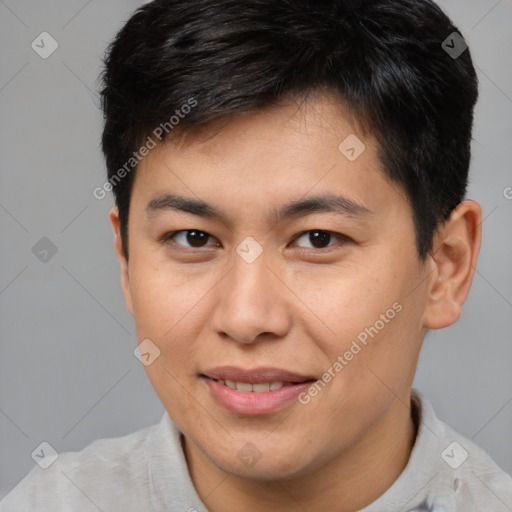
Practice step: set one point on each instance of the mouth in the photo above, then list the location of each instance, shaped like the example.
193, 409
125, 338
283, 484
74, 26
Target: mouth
247, 387
259, 391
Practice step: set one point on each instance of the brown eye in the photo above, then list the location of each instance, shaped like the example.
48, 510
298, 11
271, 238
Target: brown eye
190, 238
320, 239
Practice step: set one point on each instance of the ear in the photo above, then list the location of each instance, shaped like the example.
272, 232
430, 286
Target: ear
118, 247
453, 263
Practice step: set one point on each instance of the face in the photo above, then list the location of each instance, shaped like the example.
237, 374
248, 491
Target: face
265, 257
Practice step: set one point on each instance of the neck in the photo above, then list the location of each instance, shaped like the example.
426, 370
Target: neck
349, 482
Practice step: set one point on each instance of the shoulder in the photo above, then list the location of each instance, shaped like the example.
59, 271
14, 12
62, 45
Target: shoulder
77, 480
478, 478
474, 478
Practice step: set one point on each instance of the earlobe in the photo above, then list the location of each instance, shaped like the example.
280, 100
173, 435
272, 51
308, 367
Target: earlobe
118, 247
454, 259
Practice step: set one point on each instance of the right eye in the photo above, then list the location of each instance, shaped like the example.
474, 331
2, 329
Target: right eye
188, 238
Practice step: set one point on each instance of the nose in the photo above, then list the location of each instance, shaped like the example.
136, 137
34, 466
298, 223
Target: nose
251, 304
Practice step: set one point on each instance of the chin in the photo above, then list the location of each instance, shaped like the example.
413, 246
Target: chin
265, 467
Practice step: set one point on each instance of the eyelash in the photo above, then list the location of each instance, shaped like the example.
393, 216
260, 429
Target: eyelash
343, 238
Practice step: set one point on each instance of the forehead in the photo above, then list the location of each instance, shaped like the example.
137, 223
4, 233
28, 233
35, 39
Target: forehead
280, 153
309, 119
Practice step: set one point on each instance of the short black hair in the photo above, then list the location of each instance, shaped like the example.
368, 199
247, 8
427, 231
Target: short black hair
181, 64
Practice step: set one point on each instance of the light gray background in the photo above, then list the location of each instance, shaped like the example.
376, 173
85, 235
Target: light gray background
67, 370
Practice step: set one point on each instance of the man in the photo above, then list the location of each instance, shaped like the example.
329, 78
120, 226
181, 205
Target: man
290, 222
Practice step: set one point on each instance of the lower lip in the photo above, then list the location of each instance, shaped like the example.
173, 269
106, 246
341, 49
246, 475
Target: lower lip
250, 403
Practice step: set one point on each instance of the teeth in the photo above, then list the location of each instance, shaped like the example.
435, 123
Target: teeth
243, 386
230, 384
261, 387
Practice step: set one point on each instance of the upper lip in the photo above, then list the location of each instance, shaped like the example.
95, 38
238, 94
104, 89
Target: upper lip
255, 375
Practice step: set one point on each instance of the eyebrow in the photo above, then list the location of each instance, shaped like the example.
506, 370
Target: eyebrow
327, 203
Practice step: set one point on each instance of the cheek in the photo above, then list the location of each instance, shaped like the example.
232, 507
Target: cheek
346, 302
160, 308
163, 297
165, 311
371, 320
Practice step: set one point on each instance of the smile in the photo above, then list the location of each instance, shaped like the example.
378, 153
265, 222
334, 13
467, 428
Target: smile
260, 391
247, 387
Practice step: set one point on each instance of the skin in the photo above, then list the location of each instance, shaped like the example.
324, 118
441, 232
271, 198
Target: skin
296, 307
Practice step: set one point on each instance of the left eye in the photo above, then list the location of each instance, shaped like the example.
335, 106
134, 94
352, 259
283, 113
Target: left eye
320, 239
190, 238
